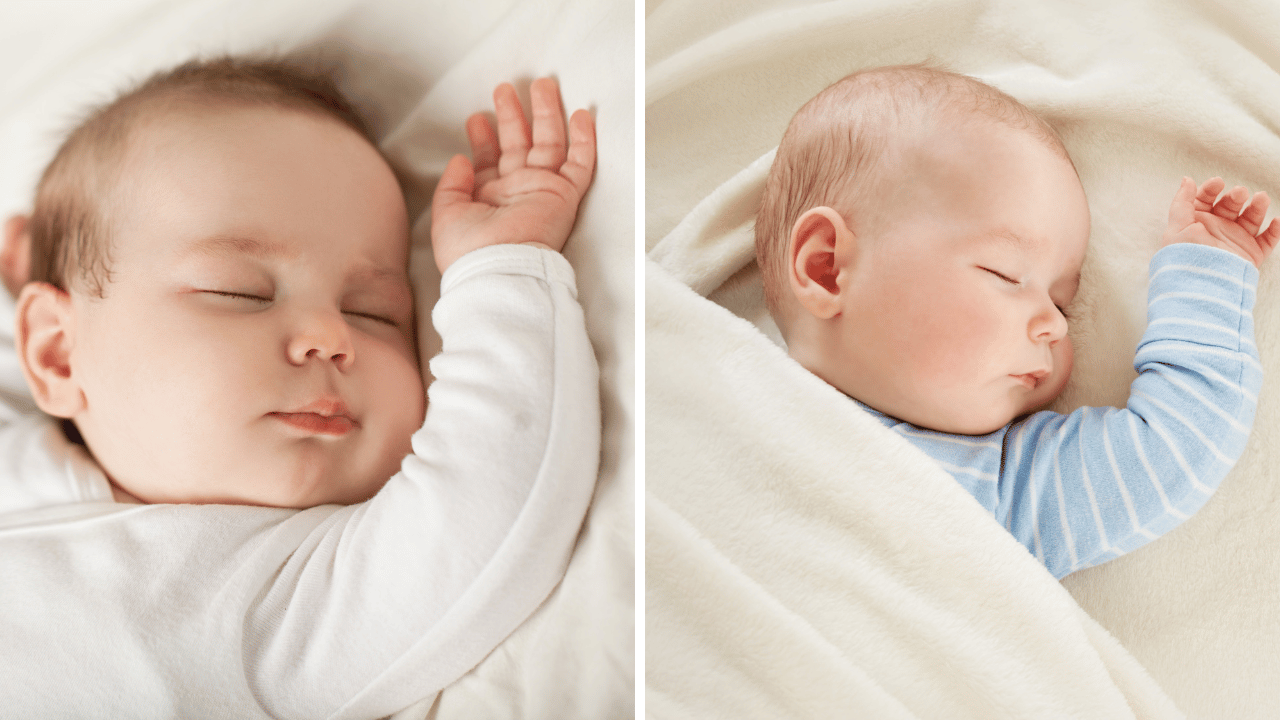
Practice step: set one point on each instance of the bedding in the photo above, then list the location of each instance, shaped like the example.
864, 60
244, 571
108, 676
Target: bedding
802, 561
416, 70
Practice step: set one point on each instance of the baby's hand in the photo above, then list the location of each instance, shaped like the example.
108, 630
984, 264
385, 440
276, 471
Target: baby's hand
523, 188
1194, 217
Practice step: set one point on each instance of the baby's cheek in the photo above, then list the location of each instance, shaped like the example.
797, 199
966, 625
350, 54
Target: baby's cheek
1063, 361
1064, 357
401, 395
957, 342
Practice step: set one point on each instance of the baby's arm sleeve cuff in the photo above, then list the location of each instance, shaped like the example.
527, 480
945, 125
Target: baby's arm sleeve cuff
547, 265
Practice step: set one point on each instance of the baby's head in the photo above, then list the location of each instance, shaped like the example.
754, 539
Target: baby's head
219, 295
919, 236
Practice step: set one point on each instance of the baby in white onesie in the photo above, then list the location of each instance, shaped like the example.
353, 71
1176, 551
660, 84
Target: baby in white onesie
215, 297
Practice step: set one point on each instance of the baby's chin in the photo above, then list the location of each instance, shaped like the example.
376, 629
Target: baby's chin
970, 425
957, 418
303, 488
968, 422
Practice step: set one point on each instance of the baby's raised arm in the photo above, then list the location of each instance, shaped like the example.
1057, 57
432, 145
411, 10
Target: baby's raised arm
1199, 216
1100, 482
523, 187
474, 532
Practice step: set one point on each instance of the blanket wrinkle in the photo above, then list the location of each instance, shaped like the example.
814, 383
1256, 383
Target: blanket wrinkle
778, 538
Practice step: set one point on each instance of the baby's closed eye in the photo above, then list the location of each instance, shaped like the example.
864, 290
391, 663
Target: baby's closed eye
1002, 276
252, 299
233, 295
373, 316
1016, 283
240, 295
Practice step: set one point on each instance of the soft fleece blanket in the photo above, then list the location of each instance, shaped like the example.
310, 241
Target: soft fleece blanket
801, 560
416, 70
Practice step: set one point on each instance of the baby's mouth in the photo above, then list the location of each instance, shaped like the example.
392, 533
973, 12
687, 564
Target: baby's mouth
317, 424
326, 416
1032, 379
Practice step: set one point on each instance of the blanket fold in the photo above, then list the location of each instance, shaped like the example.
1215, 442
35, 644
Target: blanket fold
802, 561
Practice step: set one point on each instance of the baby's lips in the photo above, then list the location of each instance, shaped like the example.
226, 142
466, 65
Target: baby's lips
327, 406
327, 410
1033, 378
336, 425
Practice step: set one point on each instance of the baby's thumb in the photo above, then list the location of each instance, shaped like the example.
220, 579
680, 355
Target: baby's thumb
457, 182
1182, 212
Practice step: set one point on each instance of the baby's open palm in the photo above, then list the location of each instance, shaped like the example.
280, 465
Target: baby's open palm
524, 186
1198, 216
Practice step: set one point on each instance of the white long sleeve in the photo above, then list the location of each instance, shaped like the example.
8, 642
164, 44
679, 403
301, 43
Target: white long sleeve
345, 612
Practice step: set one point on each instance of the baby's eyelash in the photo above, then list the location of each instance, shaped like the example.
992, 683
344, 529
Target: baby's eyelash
376, 318
263, 300
1011, 281
1002, 276
246, 296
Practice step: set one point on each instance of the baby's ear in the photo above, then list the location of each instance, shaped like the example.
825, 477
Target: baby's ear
820, 240
45, 337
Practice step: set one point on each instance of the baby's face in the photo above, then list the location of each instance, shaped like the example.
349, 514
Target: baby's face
255, 344
955, 308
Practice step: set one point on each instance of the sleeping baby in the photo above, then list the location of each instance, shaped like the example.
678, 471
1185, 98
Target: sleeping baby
215, 301
920, 240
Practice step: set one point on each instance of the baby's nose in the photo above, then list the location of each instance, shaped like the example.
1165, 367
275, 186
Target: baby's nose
322, 335
1048, 325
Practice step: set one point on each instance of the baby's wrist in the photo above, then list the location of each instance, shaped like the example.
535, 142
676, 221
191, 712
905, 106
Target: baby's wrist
1220, 247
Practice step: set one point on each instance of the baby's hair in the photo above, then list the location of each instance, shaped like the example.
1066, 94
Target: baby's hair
835, 149
70, 242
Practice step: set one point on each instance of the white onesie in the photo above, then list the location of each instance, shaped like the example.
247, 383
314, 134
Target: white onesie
163, 611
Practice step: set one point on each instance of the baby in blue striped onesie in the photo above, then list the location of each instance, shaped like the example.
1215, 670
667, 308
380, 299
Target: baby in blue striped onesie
920, 240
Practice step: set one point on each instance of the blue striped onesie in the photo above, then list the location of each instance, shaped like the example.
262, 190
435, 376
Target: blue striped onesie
1083, 488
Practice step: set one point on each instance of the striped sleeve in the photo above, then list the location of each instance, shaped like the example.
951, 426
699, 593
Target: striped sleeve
1083, 488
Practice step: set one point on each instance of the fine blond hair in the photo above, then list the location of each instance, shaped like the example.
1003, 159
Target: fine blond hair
838, 147
70, 227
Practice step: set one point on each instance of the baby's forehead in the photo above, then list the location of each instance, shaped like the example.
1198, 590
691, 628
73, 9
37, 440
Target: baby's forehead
243, 173
198, 117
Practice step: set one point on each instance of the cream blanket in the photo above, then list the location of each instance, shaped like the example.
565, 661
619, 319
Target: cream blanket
804, 562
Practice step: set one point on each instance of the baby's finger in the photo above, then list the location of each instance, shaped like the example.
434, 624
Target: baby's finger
1251, 217
457, 183
1228, 208
1269, 236
484, 148
548, 149
1182, 210
581, 160
1209, 193
513, 129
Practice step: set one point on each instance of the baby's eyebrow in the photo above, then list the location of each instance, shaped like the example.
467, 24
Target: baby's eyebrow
381, 274
1006, 236
223, 246
229, 245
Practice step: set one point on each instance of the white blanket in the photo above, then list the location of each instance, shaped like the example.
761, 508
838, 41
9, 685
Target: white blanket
804, 562
416, 70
